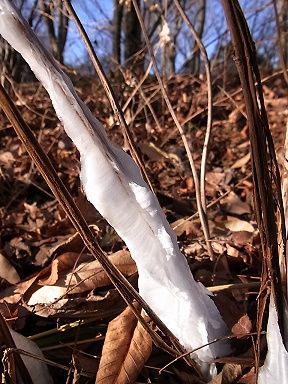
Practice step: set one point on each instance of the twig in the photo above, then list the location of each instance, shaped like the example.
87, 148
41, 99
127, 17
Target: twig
109, 91
240, 286
211, 342
216, 201
202, 215
138, 86
227, 94
204, 55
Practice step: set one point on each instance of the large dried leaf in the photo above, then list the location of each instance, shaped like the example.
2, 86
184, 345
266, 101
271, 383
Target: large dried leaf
68, 274
237, 225
86, 276
7, 271
91, 275
126, 348
106, 305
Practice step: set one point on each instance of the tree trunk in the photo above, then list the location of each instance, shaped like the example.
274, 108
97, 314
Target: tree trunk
57, 40
117, 23
200, 22
133, 41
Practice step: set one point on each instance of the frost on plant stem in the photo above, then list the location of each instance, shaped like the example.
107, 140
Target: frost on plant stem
165, 35
275, 368
113, 184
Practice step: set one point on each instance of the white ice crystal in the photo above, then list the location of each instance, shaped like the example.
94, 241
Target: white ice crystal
165, 34
113, 184
275, 368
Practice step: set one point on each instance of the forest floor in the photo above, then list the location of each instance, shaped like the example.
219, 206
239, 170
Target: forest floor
40, 254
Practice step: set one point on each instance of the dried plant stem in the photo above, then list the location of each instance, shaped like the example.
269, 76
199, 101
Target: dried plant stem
240, 286
202, 214
142, 106
243, 113
59, 190
138, 86
218, 102
216, 201
206, 61
267, 185
109, 91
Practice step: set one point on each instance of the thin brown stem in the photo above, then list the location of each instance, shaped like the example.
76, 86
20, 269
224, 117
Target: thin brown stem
206, 61
202, 215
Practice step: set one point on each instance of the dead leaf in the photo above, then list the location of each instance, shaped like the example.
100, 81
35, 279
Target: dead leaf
187, 227
241, 238
47, 295
37, 369
7, 271
213, 181
228, 375
236, 117
243, 326
231, 251
233, 204
126, 348
152, 152
64, 279
193, 249
218, 247
106, 305
6, 158
236, 225
54, 281
63, 244
249, 378
241, 162
90, 275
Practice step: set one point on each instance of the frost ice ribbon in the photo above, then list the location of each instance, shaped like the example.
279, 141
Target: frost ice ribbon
275, 368
113, 184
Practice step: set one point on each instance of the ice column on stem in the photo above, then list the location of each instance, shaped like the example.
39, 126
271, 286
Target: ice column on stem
114, 185
275, 368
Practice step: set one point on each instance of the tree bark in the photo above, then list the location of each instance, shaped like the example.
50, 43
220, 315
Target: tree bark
133, 40
117, 28
200, 22
57, 39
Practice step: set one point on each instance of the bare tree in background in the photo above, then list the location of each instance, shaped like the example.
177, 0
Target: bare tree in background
125, 22
192, 63
199, 26
117, 29
11, 62
133, 36
57, 26
283, 16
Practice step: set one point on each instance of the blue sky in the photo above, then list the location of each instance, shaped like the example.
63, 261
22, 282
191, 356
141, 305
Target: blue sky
96, 16
95, 20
